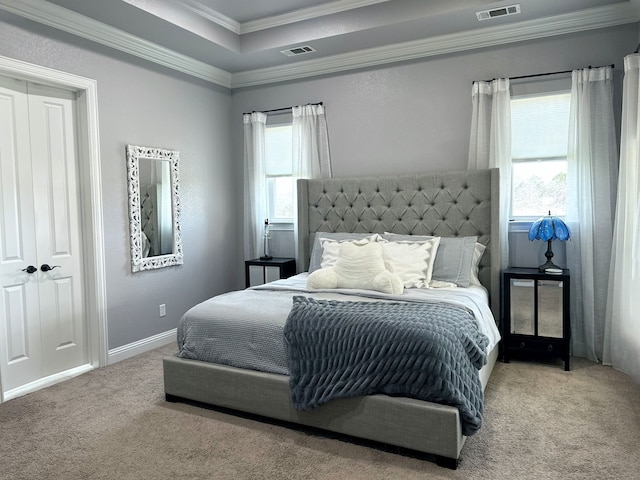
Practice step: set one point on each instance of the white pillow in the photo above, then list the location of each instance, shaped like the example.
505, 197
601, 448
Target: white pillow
316, 250
411, 261
453, 260
331, 248
357, 266
478, 251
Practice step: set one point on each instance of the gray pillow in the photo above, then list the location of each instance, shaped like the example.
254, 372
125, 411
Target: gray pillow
454, 257
316, 252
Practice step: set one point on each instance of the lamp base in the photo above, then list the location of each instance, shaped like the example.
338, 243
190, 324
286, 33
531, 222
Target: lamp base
549, 255
266, 257
548, 264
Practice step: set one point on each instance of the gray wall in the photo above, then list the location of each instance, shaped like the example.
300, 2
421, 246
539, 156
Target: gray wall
144, 104
415, 117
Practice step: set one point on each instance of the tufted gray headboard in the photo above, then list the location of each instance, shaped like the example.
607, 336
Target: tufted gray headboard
463, 203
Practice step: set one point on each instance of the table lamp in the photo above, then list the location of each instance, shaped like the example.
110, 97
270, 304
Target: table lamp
265, 240
549, 228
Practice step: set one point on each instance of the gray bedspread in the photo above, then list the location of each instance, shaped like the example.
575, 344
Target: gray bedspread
426, 351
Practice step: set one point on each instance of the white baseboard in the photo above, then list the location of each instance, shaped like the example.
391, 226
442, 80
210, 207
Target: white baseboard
115, 355
45, 382
141, 346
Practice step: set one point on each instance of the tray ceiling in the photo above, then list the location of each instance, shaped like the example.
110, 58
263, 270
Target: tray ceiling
238, 43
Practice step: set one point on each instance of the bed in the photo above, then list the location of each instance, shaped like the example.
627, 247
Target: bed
451, 205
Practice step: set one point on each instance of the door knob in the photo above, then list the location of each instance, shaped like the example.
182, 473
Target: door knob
46, 268
30, 269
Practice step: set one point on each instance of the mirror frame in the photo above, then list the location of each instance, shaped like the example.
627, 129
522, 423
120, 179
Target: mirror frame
138, 262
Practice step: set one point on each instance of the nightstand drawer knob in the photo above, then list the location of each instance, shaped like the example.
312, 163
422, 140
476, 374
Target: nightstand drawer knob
522, 345
550, 348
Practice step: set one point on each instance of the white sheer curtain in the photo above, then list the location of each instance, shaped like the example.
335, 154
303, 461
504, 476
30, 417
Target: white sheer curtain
622, 328
311, 158
591, 178
490, 143
255, 188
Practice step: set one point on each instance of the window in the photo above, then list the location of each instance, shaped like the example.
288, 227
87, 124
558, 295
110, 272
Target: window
279, 173
539, 140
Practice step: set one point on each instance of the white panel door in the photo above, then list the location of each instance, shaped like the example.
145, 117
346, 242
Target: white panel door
58, 241
53, 323
19, 301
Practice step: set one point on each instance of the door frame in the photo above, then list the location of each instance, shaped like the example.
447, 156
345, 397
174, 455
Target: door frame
89, 169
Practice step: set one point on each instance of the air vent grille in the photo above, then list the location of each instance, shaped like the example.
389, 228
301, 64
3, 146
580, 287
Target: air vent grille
291, 52
498, 12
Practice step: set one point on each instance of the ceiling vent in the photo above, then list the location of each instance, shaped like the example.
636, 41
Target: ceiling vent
498, 12
291, 52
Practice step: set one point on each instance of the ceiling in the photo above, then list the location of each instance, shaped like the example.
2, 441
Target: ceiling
238, 43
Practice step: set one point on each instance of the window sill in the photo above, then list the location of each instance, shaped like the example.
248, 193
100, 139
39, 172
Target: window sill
520, 226
281, 227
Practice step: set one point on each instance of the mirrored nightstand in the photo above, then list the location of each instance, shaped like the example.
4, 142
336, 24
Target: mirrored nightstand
536, 314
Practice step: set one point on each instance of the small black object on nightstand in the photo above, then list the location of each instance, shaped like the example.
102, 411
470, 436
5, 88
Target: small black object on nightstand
536, 314
286, 266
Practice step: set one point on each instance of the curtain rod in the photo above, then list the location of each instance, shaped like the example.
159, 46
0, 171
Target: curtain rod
273, 110
547, 74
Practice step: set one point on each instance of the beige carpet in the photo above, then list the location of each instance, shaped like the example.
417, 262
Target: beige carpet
113, 423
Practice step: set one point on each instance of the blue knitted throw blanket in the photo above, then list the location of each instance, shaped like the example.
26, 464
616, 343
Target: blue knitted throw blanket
428, 351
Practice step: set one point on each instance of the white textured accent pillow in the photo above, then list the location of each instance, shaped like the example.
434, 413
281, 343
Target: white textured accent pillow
316, 250
411, 261
357, 266
453, 259
331, 248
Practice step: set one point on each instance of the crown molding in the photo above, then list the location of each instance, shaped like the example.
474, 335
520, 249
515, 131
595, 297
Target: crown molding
305, 14
76, 24
588, 19
277, 20
212, 15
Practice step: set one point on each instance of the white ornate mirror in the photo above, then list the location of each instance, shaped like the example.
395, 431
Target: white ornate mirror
154, 207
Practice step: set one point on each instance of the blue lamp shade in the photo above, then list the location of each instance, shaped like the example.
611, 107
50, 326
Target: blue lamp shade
549, 228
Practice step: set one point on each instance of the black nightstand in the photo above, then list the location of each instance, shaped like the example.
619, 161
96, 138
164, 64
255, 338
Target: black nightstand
286, 266
536, 314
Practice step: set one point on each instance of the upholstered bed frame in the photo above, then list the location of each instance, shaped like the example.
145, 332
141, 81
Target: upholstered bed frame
444, 204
